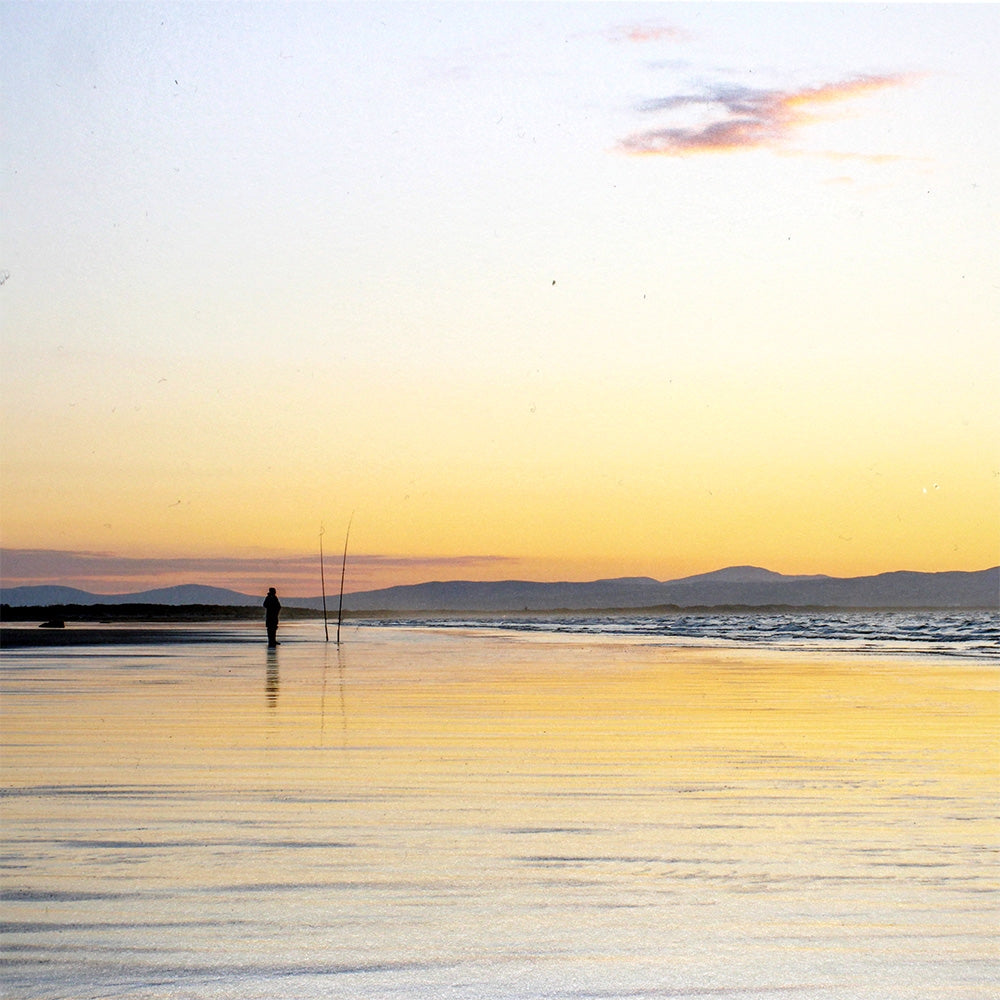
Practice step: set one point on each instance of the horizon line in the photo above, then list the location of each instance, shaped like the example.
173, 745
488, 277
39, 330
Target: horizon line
792, 577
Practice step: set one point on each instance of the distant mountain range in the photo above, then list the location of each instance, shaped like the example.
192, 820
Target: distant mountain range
191, 593
736, 585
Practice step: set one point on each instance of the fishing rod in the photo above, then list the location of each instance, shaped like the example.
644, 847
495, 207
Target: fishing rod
322, 583
343, 572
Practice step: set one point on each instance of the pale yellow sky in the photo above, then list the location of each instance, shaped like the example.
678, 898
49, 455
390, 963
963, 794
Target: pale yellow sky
269, 270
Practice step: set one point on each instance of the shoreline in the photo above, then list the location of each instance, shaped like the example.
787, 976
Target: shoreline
974, 639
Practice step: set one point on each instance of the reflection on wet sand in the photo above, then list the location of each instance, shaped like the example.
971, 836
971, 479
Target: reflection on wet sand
327, 656
272, 679
422, 814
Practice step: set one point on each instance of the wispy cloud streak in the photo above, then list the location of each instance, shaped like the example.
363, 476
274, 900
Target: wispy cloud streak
734, 118
112, 573
647, 32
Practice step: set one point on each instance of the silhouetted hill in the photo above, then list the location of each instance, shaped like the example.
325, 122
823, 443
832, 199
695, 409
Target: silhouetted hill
747, 586
886, 590
738, 585
192, 593
20, 597
744, 574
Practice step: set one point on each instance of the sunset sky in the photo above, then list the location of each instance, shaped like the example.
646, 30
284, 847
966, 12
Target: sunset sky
545, 291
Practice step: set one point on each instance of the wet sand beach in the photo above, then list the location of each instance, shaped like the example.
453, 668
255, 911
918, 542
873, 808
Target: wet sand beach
476, 814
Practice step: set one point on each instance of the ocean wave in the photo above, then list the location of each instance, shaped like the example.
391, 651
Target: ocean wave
966, 634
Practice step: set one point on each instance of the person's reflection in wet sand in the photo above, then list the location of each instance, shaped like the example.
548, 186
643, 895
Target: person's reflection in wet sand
271, 681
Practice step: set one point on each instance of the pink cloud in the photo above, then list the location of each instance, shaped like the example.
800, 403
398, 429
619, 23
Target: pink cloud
739, 118
653, 32
109, 573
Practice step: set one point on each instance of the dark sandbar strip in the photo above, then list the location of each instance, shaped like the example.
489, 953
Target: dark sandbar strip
15, 638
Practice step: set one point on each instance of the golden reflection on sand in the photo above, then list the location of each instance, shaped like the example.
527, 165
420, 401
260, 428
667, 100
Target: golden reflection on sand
632, 809
642, 712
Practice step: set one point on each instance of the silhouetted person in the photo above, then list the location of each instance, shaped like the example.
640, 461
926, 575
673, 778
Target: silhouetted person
271, 608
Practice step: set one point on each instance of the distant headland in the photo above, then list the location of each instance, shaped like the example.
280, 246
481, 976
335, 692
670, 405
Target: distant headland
735, 586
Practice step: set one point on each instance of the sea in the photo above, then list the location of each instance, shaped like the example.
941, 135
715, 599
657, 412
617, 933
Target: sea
939, 633
746, 805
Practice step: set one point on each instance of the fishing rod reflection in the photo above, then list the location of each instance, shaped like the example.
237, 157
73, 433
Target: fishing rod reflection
323, 695
331, 702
